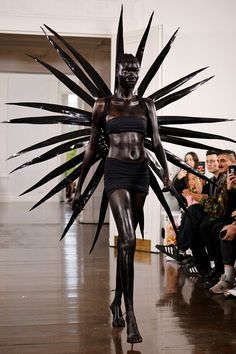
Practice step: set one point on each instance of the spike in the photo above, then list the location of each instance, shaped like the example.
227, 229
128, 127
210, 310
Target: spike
141, 47
67, 82
155, 66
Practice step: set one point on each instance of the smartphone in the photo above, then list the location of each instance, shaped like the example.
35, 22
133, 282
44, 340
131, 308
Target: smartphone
232, 169
201, 167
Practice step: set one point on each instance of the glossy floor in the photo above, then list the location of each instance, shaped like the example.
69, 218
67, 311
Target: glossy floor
54, 296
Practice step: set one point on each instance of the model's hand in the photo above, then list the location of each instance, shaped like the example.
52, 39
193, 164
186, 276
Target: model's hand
167, 184
76, 201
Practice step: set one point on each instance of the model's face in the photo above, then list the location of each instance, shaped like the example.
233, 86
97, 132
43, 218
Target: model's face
127, 74
212, 163
224, 162
189, 160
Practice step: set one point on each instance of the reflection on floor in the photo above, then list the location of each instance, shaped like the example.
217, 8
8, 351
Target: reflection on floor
54, 296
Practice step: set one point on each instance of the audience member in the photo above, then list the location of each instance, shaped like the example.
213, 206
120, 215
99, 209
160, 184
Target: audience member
228, 249
180, 181
200, 212
218, 214
183, 182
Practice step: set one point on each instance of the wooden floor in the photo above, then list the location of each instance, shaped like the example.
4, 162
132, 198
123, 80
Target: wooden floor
54, 296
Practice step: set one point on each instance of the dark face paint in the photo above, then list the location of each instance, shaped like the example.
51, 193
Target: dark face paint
128, 74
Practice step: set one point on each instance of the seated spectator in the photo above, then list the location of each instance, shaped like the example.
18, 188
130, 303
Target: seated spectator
180, 181
219, 214
194, 184
188, 230
228, 249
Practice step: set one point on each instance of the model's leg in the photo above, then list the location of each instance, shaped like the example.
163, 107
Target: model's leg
115, 307
121, 206
138, 200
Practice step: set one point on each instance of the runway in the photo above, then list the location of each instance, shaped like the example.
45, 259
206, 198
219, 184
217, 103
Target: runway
55, 297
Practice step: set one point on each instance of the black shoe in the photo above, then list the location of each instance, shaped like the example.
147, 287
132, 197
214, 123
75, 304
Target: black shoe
211, 274
169, 250
190, 270
184, 259
172, 251
211, 278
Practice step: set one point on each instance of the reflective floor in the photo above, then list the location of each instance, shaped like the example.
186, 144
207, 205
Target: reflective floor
54, 296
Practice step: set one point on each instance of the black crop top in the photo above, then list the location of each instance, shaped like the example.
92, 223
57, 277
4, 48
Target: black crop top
126, 124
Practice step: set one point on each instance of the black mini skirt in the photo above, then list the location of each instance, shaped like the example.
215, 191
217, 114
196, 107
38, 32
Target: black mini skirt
130, 175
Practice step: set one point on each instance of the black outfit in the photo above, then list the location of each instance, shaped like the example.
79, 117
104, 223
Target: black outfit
209, 231
228, 250
188, 237
180, 185
132, 175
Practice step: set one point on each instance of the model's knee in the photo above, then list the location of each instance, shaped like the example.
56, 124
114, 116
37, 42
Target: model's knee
128, 245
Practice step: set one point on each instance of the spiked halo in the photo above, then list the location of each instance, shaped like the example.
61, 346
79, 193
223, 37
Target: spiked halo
96, 87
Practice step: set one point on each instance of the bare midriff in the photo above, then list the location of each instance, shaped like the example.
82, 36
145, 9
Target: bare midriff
127, 146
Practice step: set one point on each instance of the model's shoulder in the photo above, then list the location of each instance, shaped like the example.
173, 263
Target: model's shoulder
149, 101
101, 102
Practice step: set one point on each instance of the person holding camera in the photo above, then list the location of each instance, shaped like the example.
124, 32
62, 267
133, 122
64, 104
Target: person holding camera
180, 180
219, 212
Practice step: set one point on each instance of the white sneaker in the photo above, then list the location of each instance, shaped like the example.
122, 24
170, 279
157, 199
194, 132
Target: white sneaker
222, 286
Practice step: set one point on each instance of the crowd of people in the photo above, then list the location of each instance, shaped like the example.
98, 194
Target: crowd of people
205, 244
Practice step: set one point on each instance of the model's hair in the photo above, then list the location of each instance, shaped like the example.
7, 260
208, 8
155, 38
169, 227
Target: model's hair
123, 58
194, 156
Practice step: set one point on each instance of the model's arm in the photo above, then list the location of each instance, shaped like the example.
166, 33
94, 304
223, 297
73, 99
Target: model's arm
156, 141
92, 148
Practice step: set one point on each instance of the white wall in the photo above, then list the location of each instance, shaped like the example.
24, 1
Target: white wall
15, 137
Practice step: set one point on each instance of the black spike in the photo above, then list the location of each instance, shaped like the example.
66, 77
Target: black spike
71, 111
165, 90
93, 74
141, 47
157, 190
119, 41
92, 185
185, 142
179, 94
191, 134
54, 140
102, 214
67, 82
166, 120
155, 66
57, 171
51, 120
74, 68
71, 145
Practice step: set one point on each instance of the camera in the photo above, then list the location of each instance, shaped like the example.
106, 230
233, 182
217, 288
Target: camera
232, 169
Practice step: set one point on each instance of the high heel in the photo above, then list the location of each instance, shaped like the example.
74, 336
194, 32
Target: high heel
118, 320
